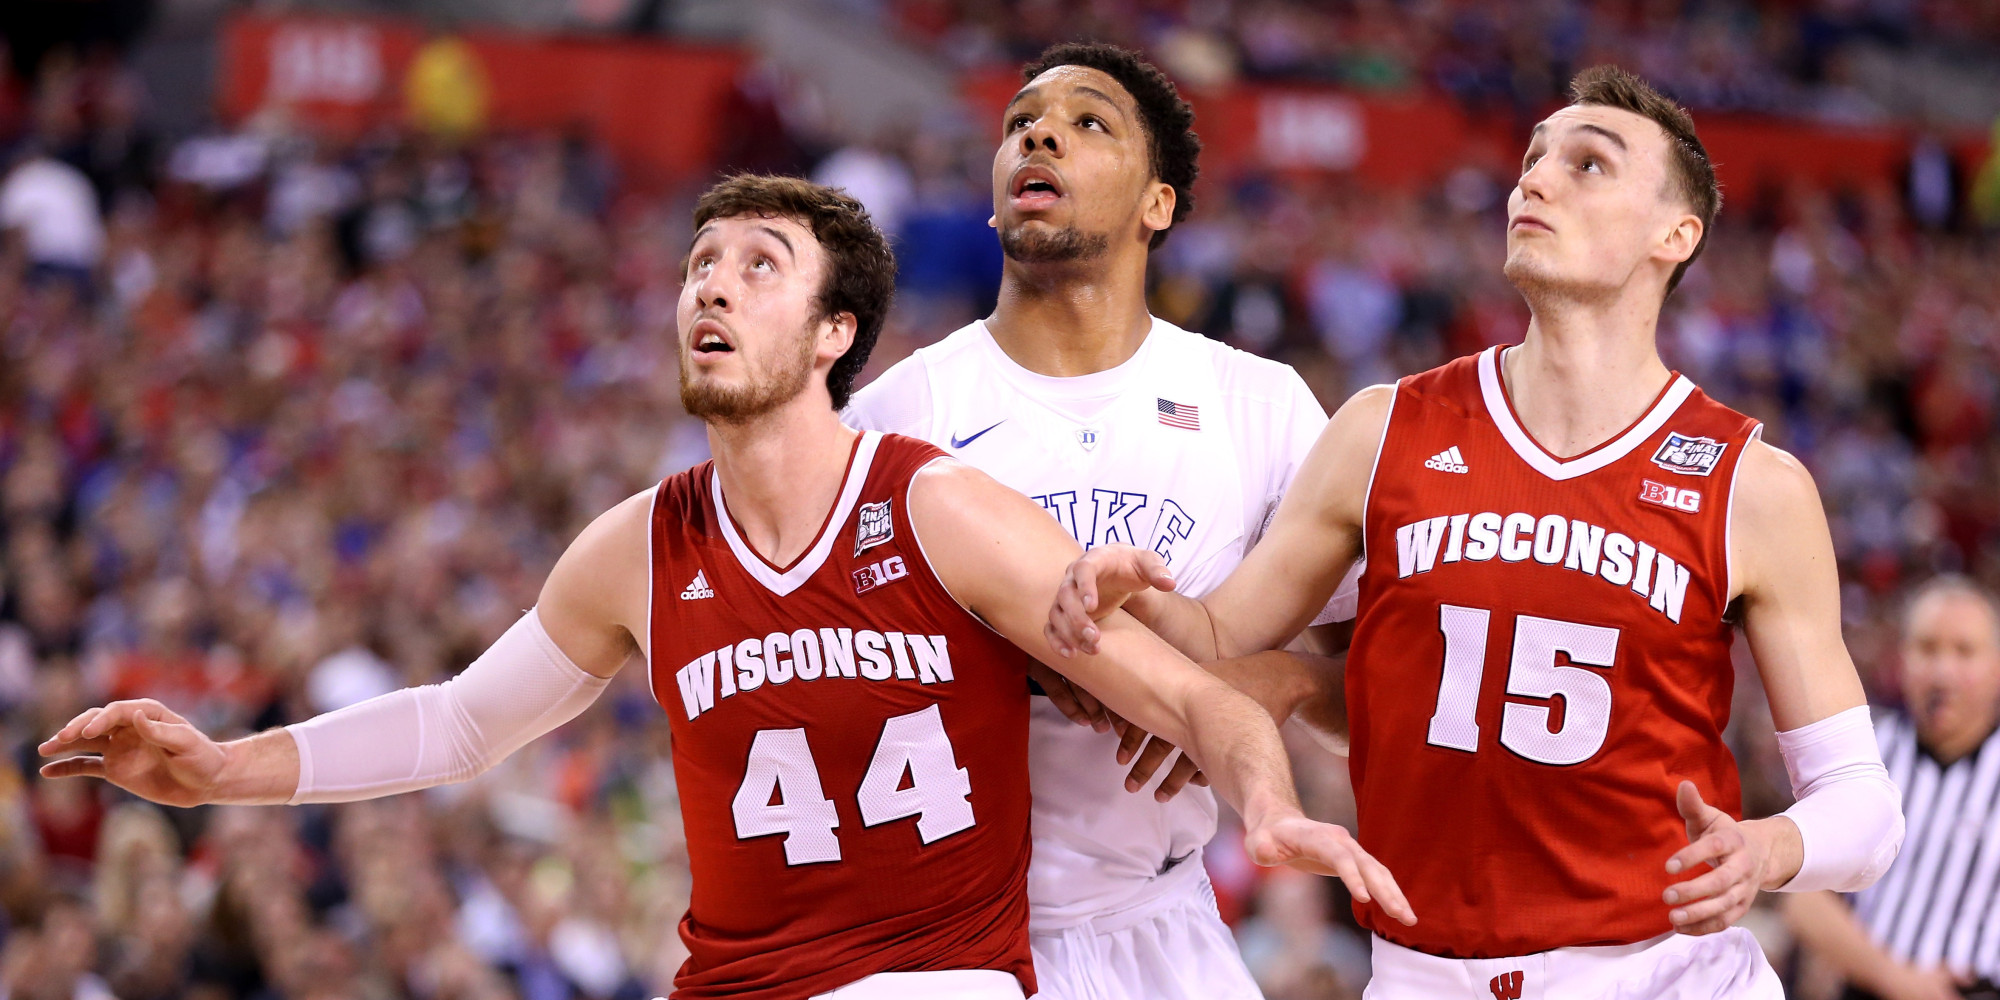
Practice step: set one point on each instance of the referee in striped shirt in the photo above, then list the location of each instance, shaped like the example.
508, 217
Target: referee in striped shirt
1930, 929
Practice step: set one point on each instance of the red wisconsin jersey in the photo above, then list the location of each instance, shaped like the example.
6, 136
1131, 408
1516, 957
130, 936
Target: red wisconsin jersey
850, 746
1540, 660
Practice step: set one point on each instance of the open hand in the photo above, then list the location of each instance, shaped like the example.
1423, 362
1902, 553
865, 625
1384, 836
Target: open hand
1737, 859
1096, 584
142, 747
1325, 849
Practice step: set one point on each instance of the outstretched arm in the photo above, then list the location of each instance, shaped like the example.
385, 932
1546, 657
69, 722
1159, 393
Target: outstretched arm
1847, 824
1284, 581
1001, 556
543, 672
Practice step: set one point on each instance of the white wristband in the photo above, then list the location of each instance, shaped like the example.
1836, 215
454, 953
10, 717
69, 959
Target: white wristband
520, 688
1849, 814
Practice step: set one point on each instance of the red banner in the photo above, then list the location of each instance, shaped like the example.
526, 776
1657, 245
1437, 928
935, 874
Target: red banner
658, 106
1416, 141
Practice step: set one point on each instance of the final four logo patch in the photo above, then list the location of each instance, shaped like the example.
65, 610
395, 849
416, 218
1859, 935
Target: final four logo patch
1688, 455
876, 527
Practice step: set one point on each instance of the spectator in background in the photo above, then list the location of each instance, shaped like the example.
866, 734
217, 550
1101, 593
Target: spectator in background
1931, 927
53, 208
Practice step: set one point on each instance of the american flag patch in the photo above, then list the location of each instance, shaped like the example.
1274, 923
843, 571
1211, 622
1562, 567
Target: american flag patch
1180, 415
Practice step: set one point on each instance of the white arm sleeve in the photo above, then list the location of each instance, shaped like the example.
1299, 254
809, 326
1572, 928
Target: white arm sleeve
520, 688
1849, 813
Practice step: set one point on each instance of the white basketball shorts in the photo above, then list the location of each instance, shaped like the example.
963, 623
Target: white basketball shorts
1725, 966
1170, 945
958, 984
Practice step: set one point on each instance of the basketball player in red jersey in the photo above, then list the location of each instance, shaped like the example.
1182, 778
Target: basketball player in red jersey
1561, 537
831, 621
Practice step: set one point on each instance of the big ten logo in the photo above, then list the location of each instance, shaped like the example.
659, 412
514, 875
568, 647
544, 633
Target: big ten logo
341, 63
1670, 497
880, 574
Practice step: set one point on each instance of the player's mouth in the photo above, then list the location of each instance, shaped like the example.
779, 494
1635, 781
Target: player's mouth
1034, 188
1528, 222
710, 337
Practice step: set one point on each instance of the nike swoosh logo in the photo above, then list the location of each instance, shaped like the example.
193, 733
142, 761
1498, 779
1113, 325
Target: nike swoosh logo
958, 442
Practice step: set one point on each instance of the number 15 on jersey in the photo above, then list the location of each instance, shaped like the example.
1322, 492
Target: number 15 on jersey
1532, 672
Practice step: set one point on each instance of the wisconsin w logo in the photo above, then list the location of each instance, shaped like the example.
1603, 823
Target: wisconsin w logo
1506, 986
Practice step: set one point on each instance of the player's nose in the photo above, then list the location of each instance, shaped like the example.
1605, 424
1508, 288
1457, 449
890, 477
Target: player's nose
1039, 137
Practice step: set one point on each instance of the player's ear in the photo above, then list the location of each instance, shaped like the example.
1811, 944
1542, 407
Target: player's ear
1681, 241
836, 334
1157, 212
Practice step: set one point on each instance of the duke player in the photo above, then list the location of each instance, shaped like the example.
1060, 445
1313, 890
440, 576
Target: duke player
830, 619
1125, 429
1562, 537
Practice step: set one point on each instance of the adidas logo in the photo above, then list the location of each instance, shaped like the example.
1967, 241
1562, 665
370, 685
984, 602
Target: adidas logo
698, 589
1448, 460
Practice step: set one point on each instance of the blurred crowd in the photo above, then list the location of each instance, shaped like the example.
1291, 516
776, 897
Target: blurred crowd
287, 423
1793, 56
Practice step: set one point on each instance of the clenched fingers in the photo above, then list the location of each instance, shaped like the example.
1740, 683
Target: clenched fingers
1185, 770
1712, 847
1731, 872
1130, 739
1058, 692
1720, 911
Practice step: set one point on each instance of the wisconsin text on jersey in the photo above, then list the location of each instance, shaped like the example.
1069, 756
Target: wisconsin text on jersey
1552, 540
824, 655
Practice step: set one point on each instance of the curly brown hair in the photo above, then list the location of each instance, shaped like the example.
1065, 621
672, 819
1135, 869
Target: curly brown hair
861, 270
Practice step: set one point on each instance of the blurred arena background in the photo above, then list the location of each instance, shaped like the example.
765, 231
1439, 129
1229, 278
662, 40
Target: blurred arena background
325, 325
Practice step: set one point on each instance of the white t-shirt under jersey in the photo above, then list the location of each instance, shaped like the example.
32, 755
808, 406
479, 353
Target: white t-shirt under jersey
1099, 454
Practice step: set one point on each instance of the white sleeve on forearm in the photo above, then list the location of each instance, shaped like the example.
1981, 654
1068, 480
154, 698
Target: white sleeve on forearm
1849, 814
520, 688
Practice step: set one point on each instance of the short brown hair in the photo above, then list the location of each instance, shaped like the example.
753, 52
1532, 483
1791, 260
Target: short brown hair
1695, 175
861, 270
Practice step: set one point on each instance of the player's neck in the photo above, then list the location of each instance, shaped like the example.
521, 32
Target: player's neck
1069, 322
1584, 373
781, 473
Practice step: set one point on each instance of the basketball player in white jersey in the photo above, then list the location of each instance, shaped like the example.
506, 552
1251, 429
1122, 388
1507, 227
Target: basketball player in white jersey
1615, 195
1126, 429
786, 287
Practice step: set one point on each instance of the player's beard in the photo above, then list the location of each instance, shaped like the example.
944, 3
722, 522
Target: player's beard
714, 402
1068, 245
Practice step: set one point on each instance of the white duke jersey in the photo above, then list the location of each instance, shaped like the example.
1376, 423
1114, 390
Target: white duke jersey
1184, 449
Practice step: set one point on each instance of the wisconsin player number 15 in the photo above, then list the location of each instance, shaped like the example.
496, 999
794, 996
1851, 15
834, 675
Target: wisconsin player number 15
1532, 672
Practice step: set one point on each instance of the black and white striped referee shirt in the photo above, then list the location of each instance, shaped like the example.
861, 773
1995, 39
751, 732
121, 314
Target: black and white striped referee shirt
1940, 902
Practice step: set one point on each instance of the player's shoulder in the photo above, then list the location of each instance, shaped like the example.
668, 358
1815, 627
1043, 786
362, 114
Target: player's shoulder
1772, 483
1239, 373
901, 398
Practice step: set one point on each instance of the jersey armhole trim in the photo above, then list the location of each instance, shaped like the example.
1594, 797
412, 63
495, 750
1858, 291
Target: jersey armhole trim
652, 572
918, 536
1368, 497
1729, 521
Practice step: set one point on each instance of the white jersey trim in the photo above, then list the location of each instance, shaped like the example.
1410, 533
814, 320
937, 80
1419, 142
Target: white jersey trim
652, 508
1497, 407
1368, 496
792, 579
1729, 521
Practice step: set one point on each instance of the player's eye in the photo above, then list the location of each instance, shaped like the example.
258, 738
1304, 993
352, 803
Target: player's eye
1591, 163
1528, 162
1018, 122
700, 263
1092, 121
764, 264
